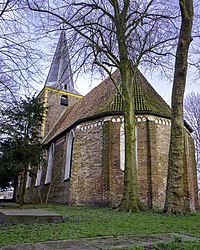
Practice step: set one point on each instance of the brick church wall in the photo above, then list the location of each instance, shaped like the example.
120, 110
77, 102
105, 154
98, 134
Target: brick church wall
32, 195
152, 147
192, 173
162, 127
100, 166
142, 163
86, 177
59, 187
96, 176
114, 179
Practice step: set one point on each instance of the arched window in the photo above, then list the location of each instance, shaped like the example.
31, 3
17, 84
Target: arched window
50, 164
69, 151
64, 100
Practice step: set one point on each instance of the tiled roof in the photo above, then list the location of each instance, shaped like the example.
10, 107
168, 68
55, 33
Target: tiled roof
105, 99
146, 100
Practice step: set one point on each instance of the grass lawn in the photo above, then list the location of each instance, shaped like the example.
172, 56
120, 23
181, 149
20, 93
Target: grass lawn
85, 222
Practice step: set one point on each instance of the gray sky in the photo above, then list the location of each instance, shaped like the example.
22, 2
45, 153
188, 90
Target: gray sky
161, 85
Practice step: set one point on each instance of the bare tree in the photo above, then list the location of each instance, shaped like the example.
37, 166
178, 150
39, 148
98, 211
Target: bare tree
175, 195
192, 116
20, 55
194, 58
118, 34
8, 90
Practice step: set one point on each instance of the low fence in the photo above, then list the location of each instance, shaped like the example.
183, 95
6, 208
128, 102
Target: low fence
6, 194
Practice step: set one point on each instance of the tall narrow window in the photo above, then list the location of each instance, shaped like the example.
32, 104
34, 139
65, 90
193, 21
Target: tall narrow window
69, 151
29, 177
39, 176
64, 100
28, 180
50, 164
122, 147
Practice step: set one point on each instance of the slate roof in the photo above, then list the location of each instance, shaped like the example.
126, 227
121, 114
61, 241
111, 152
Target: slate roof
104, 100
60, 73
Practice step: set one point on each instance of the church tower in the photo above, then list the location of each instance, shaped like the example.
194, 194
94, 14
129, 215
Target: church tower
58, 92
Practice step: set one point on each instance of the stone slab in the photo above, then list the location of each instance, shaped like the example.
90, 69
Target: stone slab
54, 245
103, 242
15, 216
138, 240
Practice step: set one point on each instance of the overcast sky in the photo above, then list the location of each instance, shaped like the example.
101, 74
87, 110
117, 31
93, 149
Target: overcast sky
162, 86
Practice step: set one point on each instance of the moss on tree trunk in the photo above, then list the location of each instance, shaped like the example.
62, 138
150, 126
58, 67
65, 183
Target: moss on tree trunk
176, 197
130, 200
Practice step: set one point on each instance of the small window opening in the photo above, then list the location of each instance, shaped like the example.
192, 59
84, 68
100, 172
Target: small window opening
64, 100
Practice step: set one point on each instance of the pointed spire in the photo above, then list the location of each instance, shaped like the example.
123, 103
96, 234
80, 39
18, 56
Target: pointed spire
60, 73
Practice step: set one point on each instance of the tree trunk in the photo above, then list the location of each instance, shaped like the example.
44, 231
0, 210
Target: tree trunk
15, 183
175, 196
130, 200
22, 185
21, 188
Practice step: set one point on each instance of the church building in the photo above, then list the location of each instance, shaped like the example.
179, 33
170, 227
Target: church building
84, 137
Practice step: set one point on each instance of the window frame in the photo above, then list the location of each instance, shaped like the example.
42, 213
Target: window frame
122, 146
50, 164
68, 156
64, 100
